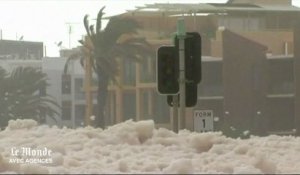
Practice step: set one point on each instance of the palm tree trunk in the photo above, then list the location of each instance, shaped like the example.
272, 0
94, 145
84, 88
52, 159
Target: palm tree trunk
101, 98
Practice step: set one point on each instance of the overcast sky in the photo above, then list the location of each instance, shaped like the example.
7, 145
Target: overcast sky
48, 20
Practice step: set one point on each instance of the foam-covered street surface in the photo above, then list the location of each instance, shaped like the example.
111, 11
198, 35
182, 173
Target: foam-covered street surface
137, 147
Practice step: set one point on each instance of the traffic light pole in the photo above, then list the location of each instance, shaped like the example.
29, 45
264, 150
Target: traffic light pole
181, 36
175, 107
173, 80
175, 113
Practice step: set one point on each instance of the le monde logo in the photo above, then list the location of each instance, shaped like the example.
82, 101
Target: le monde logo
41, 156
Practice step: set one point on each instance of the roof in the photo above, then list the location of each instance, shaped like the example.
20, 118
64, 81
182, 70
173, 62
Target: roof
279, 57
280, 8
211, 59
17, 41
212, 8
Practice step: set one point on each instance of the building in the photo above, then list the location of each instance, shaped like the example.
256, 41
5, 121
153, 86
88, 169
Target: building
20, 50
66, 87
265, 23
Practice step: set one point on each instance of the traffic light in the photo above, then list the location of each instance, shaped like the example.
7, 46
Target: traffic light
167, 70
190, 95
192, 51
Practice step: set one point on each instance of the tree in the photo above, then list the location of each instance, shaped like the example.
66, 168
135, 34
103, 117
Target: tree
20, 95
118, 40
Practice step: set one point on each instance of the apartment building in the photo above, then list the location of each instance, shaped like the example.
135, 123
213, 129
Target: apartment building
268, 24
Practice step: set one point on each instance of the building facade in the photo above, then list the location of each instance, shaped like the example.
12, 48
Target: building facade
270, 25
20, 50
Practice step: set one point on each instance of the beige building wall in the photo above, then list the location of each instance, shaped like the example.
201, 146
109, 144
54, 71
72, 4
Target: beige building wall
264, 2
275, 40
278, 42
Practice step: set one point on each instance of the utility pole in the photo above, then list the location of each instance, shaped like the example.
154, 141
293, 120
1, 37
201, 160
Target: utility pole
70, 30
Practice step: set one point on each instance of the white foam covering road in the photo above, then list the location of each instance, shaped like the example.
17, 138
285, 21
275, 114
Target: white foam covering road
138, 147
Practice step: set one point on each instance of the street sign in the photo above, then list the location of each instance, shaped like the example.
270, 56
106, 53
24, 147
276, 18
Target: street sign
203, 120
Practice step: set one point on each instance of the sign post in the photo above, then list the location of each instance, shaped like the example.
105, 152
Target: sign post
175, 125
181, 37
175, 113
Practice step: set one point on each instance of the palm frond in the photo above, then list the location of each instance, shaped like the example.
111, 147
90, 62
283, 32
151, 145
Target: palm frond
99, 20
3, 73
93, 33
93, 62
135, 49
87, 28
78, 55
86, 25
139, 46
118, 26
21, 98
107, 66
27, 78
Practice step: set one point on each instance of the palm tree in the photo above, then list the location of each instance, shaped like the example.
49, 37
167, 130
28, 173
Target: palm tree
20, 98
118, 40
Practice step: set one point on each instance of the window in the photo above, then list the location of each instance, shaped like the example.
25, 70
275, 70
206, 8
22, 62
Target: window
161, 108
66, 110
148, 70
281, 76
79, 93
129, 72
79, 115
211, 83
281, 114
147, 104
66, 84
129, 107
110, 111
155, 107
